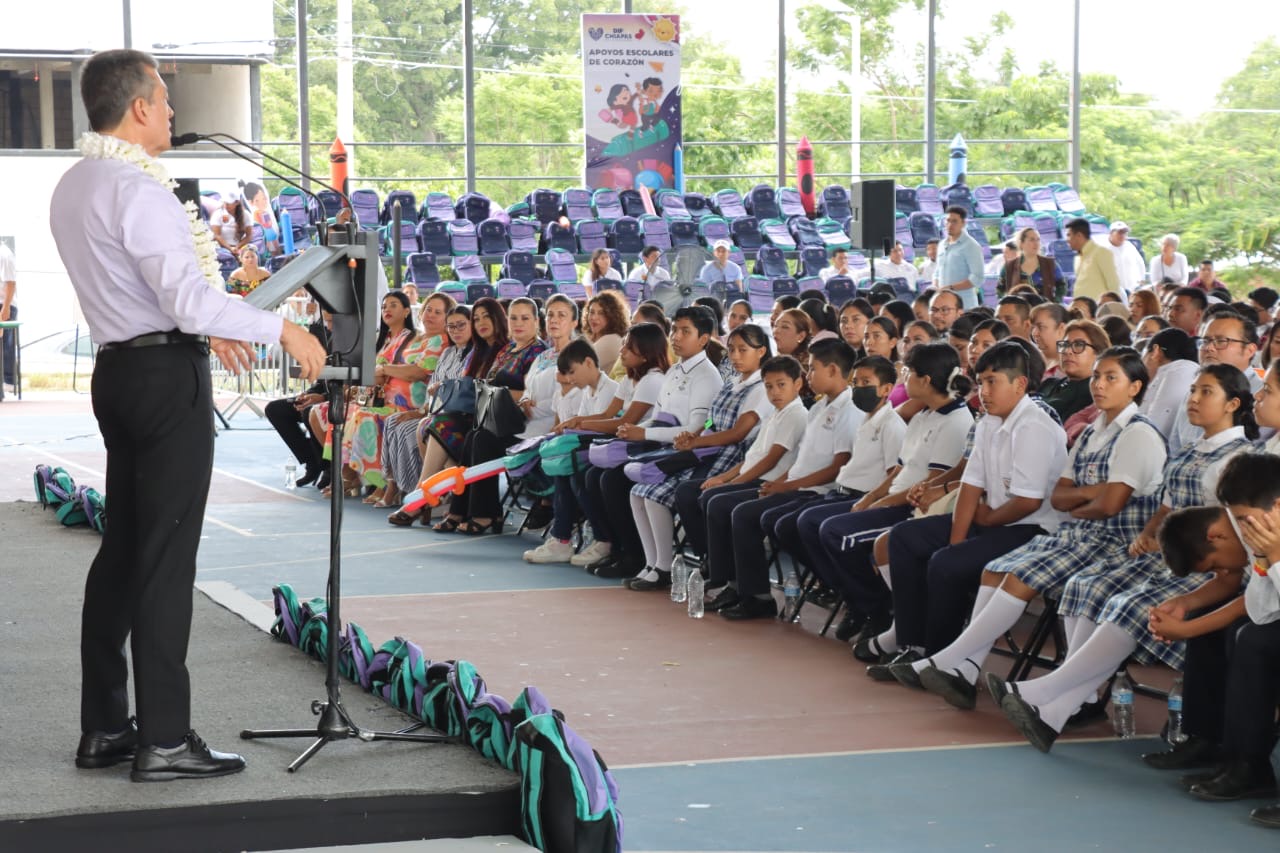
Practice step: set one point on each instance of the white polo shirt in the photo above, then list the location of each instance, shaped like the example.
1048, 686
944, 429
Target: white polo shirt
592, 402
934, 441
782, 427
1262, 595
688, 390
1137, 459
646, 390
829, 430
1019, 456
876, 447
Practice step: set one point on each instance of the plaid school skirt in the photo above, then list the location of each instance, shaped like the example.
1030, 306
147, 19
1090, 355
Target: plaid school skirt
1129, 611
1047, 562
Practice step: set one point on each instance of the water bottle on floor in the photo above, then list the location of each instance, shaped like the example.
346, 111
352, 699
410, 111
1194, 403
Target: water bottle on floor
791, 595
1122, 705
290, 477
679, 579
1173, 733
696, 594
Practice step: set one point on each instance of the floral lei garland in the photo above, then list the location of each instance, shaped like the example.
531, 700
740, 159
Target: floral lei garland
97, 146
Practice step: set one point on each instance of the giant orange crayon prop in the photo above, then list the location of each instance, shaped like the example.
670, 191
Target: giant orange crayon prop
456, 479
804, 174
338, 168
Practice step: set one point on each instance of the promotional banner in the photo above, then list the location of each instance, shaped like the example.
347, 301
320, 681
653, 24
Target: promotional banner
631, 100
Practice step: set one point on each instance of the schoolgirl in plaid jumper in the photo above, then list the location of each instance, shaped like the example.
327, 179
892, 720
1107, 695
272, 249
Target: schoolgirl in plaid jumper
1106, 513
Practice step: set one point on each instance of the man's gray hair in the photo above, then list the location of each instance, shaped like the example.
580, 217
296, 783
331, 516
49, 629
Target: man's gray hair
109, 83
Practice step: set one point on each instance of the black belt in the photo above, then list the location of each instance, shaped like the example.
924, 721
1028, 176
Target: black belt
158, 339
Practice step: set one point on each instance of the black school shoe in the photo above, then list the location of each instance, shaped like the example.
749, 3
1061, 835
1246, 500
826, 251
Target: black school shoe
616, 567
1195, 751
645, 585
1268, 816
192, 759
105, 749
950, 686
880, 670
849, 626
751, 608
1237, 781
1026, 719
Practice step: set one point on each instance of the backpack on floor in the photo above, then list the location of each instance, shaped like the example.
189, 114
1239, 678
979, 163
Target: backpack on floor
408, 680
94, 506
568, 797
355, 654
489, 729
313, 638
385, 666
288, 624
54, 486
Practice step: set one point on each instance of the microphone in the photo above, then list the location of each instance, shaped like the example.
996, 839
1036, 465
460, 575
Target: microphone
215, 138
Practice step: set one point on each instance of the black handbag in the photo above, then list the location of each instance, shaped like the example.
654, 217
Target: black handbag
457, 395
496, 411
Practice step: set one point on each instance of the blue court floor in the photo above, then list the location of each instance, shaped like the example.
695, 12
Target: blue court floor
723, 738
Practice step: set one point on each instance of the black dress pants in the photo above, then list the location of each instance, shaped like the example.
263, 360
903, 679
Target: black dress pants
1204, 679
154, 407
1253, 687
293, 428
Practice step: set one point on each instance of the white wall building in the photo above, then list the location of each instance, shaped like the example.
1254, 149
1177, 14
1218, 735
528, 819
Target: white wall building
210, 55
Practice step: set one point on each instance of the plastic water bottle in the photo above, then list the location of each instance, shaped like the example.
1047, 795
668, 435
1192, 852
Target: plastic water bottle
696, 594
1122, 705
791, 595
679, 579
290, 477
1173, 733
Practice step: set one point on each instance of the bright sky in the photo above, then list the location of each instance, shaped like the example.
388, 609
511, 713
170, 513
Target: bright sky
1154, 47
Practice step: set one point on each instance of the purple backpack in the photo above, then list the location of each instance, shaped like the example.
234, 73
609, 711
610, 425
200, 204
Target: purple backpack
659, 466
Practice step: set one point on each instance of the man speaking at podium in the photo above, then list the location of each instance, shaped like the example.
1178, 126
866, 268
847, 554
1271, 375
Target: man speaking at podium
148, 283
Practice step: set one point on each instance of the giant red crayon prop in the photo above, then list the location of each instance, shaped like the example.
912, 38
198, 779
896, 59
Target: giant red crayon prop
338, 167
804, 174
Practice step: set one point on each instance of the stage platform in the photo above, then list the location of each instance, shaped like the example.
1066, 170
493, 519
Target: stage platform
351, 793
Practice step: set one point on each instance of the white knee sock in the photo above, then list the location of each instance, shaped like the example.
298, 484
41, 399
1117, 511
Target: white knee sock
1080, 633
970, 649
1080, 674
663, 527
645, 531
984, 596
885, 576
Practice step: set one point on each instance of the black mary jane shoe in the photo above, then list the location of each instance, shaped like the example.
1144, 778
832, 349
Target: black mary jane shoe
723, 600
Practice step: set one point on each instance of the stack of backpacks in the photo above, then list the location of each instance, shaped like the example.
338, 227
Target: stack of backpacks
74, 505
569, 799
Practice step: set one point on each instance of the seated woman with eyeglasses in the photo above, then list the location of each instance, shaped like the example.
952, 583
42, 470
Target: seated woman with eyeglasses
1068, 392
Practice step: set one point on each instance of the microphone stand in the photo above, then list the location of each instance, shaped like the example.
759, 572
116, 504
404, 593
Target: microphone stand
335, 721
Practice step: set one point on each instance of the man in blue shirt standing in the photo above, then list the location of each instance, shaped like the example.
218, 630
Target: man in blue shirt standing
959, 266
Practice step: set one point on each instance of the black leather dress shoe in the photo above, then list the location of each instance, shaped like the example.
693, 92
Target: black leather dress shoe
1268, 816
751, 608
903, 671
100, 749
323, 481
1026, 719
1195, 751
997, 687
723, 600
1237, 781
193, 759
616, 567
951, 687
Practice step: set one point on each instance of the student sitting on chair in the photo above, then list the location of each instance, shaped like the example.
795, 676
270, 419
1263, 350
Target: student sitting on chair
644, 358
688, 390
934, 440
738, 564
936, 562
735, 413
772, 452
596, 393
1106, 608
1110, 487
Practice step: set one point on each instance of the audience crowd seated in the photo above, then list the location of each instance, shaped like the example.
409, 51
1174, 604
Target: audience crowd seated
928, 470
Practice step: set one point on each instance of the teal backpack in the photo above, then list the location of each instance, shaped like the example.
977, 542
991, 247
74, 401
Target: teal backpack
568, 797
565, 454
54, 486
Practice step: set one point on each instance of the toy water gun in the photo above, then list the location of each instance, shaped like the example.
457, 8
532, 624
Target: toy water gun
450, 481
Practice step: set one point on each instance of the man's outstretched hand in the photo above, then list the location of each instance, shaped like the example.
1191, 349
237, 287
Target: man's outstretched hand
305, 349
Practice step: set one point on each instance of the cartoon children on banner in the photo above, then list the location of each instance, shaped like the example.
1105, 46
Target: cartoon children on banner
255, 196
621, 114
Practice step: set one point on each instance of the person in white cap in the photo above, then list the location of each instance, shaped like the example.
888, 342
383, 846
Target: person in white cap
1129, 266
720, 271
